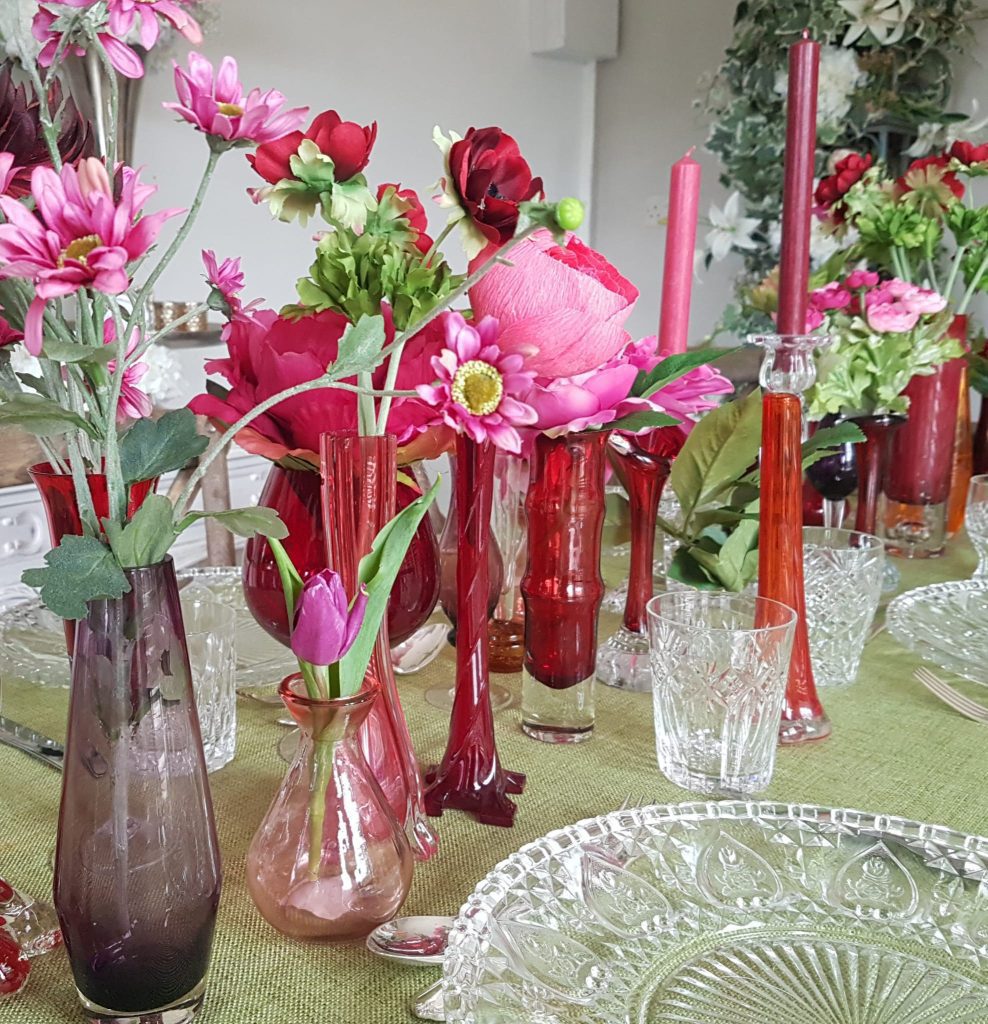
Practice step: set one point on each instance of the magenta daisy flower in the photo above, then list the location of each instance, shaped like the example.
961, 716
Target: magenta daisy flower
134, 403
216, 104
226, 280
49, 27
479, 385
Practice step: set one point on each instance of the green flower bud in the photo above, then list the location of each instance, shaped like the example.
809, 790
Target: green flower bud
569, 213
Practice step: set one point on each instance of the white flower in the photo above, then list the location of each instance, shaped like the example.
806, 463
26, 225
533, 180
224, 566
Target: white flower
21, 361
824, 243
729, 229
840, 76
884, 19
932, 135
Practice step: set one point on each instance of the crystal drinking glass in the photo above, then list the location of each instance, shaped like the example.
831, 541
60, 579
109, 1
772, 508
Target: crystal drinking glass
720, 663
976, 521
842, 572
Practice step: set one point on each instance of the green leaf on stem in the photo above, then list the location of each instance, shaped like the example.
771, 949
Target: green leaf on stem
153, 447
291, 582
377, 572
244, 522
145, 540
360, 347
72, 352
673, 367
42, 417
79, 570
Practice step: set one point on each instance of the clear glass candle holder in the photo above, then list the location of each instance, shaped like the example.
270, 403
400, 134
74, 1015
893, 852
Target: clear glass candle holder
211, 634
843, 572
719, 668
976, 522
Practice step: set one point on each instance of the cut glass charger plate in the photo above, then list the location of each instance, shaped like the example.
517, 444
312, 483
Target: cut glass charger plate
728, 913
946, 623
32, 641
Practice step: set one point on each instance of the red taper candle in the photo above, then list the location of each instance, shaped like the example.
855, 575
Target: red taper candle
677, 271
797, 197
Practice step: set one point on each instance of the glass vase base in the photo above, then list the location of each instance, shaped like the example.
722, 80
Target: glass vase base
804, 730
456, 786
557, 716
505, 647
714, 785
441, 697
915, 531
181, 1011
622, 662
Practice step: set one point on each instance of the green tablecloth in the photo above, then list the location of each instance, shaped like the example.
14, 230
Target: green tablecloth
894, 749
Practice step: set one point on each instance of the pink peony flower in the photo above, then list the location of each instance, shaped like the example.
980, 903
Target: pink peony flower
479, 385
859, 279
79, 235
135, 403
45, 29
566, 304
226, 280
215, 103
8, 336
831, 296
891, 318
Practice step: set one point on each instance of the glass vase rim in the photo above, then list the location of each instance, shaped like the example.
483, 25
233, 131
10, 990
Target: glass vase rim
879, 418
365, 695
795, 342
45, 470
751, 602
388, 435
875, 542
570, 435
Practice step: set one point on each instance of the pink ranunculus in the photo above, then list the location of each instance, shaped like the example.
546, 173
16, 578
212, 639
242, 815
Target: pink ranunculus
43, 27
859, 279
831, 296
891, 318
217, 105
565, 303
79, 235
135, 403
922, 300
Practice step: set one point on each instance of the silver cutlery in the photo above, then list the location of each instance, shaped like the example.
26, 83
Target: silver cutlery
32, 743
428, 1004
952, 698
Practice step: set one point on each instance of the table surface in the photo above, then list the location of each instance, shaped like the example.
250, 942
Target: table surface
894, 749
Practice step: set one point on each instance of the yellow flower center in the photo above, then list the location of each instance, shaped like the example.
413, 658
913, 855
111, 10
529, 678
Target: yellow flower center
80, 249
478, 387
230, 109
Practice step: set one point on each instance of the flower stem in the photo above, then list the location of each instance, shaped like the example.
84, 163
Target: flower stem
116, 490
973, 287
365, 406
954, 271
153, 339
440, 238
110, 123
322, 771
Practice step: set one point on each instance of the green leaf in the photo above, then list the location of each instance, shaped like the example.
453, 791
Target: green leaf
673, 367
145, 540
377, 571
153, 447
718, 451
244, 522
71, 352
827, 440
360, 347
291, 581
643, 420
685, 569
42, 417
79, 570
737, 562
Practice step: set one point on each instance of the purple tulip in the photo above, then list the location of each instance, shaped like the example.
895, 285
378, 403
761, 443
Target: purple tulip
325, 628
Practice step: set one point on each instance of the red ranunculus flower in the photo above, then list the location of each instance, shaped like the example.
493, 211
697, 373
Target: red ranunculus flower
416, 216
346, 143
831, 190
937, 187
969, 154
490, 178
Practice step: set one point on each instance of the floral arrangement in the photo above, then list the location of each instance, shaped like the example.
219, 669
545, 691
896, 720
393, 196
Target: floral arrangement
885, 80
884, 333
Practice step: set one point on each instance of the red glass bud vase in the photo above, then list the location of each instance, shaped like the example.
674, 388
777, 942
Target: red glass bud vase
642, 464
295, 494
470, 776
57, 492
872, 461
562, 586
359, 479
961, 469
507, 625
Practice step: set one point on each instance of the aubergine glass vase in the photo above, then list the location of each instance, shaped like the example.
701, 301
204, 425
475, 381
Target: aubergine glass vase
787, 371
873, 460
359, 478
980, 453
470, 777
295, 494
137, 867
562, 586
834, 478
57, 492
642, 464
329, 861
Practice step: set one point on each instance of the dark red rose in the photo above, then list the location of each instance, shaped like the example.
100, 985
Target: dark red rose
491, 177
930, 175
416, 216
831, 190
346, 143
969, 154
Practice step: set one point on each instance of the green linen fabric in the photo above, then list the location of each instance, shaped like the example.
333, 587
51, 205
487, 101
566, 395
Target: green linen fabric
894, 749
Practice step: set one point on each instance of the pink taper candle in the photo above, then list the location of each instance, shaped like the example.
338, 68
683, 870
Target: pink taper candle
797, 196
677, 273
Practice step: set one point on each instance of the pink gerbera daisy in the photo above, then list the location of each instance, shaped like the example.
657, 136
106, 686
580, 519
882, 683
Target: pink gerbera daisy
479, 385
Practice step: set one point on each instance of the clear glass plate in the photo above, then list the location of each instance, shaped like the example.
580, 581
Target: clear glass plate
946, 623
32, 642
728, 913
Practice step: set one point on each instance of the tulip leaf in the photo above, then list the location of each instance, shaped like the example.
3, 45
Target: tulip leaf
291, 582
244, 522
145, 540
79, 570
153, 447
673, 367
378, 571
42, 417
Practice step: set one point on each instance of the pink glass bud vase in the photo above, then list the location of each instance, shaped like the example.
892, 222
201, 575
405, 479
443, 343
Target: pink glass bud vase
329, 861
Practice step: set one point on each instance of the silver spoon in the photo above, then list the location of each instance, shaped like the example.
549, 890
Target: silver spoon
428, 1004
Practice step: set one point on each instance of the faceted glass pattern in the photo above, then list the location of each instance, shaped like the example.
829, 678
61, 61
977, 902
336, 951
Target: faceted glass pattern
728, 913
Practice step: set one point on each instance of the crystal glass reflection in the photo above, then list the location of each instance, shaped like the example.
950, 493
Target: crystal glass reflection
719, 670
976, 521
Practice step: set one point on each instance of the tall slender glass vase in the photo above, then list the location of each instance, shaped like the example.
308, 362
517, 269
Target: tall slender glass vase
962, 468
470, 776
137, 867
642, 464
507, 625
787, 371
562, 587
873, 459
359, 476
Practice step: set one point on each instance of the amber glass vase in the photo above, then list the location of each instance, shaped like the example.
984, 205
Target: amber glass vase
562, 586
329, 861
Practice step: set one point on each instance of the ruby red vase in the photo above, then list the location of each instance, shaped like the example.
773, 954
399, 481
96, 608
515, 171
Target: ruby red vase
872, 465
